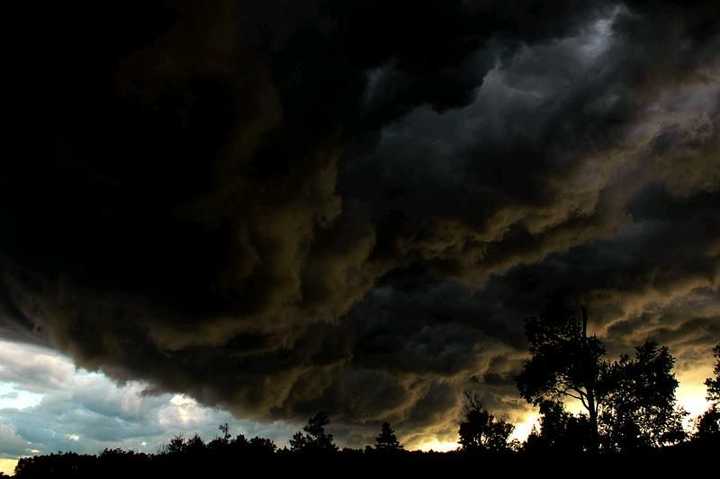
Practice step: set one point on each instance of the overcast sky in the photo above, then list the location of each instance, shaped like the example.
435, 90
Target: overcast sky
280, 207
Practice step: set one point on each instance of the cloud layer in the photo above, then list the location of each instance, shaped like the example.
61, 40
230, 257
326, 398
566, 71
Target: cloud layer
52, 406
279, 207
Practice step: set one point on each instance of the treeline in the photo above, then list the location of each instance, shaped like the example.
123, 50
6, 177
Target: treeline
629, 408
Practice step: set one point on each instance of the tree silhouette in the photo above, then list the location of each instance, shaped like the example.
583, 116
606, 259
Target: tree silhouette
194, 445
642, 409
565, 362
713, 383
315, 438
708, 425
261, 445
560, 431
480, 431
176, 445
386, 440
225, 430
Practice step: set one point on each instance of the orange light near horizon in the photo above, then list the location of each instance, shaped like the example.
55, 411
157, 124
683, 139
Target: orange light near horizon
525, 426
691, 397
438, 446
7, 466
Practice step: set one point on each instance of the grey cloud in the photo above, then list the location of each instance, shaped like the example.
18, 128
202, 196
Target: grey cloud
88, 412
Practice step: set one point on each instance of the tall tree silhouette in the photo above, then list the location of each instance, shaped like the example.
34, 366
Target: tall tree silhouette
713, 383
642, 410
315, 438
480, 431
565, 362
387, 440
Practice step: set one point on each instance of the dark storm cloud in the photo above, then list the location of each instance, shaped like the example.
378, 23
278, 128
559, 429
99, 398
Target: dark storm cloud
281, 207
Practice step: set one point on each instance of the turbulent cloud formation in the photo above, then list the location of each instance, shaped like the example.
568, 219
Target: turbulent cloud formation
280, 207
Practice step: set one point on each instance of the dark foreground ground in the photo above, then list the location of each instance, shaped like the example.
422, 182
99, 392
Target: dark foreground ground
686, 461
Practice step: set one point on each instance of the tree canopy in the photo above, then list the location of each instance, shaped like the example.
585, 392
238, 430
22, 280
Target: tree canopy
708, 425
565, 362
480, 431
315, 438
560, 431
630, 403
387, 440
642, 409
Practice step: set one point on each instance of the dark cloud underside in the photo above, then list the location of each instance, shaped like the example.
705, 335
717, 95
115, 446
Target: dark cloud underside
285, 206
